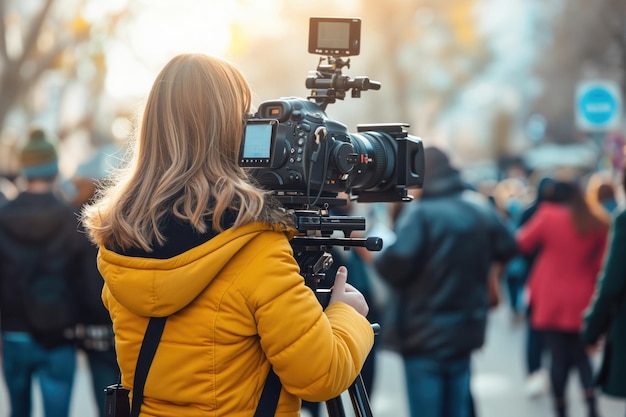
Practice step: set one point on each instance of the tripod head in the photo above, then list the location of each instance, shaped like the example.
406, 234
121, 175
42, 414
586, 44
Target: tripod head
312, 247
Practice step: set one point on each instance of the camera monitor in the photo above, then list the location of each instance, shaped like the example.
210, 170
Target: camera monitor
258, 142
334, 36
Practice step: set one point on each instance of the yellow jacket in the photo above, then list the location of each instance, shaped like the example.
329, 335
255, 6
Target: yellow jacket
236, 304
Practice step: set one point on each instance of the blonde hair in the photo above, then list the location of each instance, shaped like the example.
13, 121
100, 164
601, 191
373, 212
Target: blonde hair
184, 159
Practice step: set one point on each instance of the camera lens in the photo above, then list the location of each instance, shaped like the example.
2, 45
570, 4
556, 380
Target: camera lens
375, 162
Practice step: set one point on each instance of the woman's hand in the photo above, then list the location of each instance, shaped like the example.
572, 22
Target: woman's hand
342, 292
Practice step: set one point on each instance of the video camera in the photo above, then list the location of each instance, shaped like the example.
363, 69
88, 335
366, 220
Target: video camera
306, 159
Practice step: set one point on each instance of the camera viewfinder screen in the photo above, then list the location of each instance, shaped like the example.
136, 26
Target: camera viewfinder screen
333, 35
257, 144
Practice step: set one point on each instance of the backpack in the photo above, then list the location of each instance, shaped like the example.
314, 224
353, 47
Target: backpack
47, 300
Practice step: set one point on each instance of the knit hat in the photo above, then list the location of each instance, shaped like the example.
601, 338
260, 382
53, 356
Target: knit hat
38, 157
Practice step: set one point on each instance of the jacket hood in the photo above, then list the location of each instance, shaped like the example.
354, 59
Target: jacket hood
160, 287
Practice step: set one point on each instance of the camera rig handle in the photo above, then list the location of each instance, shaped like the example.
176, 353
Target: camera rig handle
328, 84
312, 247
373, 243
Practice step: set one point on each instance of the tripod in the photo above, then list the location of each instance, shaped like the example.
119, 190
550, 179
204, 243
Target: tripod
311, 253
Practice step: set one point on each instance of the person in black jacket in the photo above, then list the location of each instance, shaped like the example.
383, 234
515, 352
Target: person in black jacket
449, 244
40, 261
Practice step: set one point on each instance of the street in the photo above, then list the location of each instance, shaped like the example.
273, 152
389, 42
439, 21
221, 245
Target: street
497, 380
497, 383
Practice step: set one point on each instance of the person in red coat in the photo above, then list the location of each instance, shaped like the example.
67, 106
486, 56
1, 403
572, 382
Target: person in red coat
571, 241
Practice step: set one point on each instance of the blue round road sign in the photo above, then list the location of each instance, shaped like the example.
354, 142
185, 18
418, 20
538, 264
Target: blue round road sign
598, 105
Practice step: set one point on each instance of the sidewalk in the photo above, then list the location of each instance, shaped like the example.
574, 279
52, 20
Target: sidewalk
499, 377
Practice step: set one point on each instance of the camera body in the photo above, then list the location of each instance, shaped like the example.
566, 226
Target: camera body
296, 149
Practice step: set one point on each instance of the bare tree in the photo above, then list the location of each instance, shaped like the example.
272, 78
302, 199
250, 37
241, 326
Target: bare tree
45, 39
15, 78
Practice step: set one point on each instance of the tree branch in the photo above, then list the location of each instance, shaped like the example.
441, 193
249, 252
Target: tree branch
34, 32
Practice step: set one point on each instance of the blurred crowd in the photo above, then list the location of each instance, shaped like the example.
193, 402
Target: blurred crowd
545, 244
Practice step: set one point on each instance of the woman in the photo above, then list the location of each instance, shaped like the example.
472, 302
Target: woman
184, 233
606, 316
571, 241
536, 378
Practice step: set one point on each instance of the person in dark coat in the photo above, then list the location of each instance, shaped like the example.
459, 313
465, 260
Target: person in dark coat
40, 268
606, 316
448, 245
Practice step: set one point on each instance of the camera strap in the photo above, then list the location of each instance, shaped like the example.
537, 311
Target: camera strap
146, 355
269, 397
